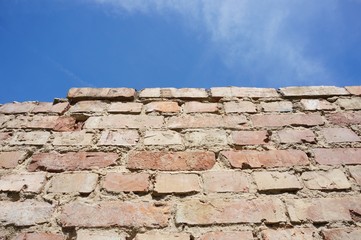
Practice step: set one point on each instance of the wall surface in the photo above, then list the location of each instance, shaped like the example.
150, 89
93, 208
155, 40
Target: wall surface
183, 164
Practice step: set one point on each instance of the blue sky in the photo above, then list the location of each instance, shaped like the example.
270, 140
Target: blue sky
46, 47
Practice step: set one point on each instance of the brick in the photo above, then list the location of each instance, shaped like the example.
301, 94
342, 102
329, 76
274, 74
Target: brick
316, 104
337, 156
344, 119
276, 181
244, 235
232, 211
124, 121
26, 213
219, 92
355, 90
30, 138
333, 179
4, 136
101, 93
71, 161
162, 236
171, 161
11, 159
319, 91
199, 107
206, 121
280, 120
356, 173
49, 107
115, 213
65, 124
89, 107
292, 233
225, 181
173, 93
341, 234
350, 104
4, 119
39, 236
296, 136
126, 182
35, 122
98, 234
119, 138
27, 182
249, 137
163, 107
281, 106
73, 182
120, 107
240, 107
79, 138
335, 135
206, 138
176, 183
162, 138
271, 158
18, 107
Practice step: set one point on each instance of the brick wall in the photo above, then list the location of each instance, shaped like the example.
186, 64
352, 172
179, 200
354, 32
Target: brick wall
183, 164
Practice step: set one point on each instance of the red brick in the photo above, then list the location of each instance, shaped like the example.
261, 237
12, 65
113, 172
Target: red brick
206, 121
171, 161
11, 159
80, 138
30, 138
355, 90
173, 93
219, 92
338, 156
281, 106
244, 235
48, 107
126, 182
198, 107
344, 119
326, 180
334, 135
119, 138
100, 93
292, 233
39, 236
26, 213
279, 120
225, 181
71, 161
212, 137
19, 107
124, 121
271, 158
276, 181
27, 182
65, 124
163, 107
129, 107
313, 91
296, 136
249, 137
73, 182
240, 107
115, 213
217, 211
162, 236
99, 234
88, 107
341, 234
316, 104
176, 183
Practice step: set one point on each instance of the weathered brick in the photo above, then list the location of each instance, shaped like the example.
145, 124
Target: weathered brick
240, 107
167, 137
326, 180
280, 120
334, 135
216, 211
4, 136
271, 158
206, 138
344, 119
296, 136
173, 93
4, 119
39, 236
171, 161
225, 181
206, 121
11, 159
30, 138
130, 107
350, 104
341, 234
49, 107
126, 182
338, 156
219, 92
313, 91
291, 233
244, 235
35, 122
276, 181
26, 213
162, 236
89, 107
124, 121
73, 182
119, 138
71, 161
316, 104
100, 93
18, 107
115, 213
199, 107
176, 183
163, 107
281, 106
249, 137
79, 138
65, 124
356, 173
98, 234
27, 182
355, 90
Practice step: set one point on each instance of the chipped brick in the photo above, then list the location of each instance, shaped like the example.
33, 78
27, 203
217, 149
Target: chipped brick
11, 159
319, 91
27, 182
162, 138
334, 135
89, 107
292, 233
49, 107
30, 138
280, 120
281, 106
341, 234
344, 119
276, 181
163, 107
350, 104
80, 138
13, 108
316, 104
119, 138
124, 121
296, 136
333, 179
355, 90
206, 138
101, 93
356, 173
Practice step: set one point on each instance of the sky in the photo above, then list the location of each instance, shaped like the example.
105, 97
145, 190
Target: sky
49, 46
